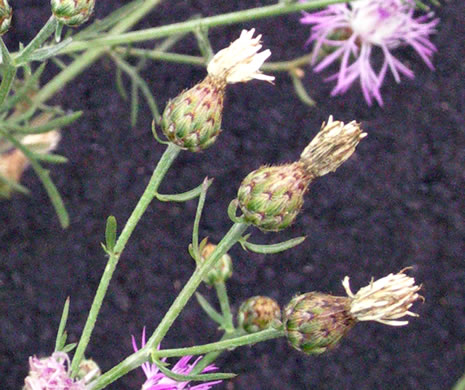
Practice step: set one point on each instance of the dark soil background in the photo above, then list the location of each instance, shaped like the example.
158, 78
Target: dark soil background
397, 202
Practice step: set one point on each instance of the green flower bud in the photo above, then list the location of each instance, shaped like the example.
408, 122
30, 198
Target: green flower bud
6, 14
88, 370
315, 322
72, 12
258, 313
222, 270
192, 120
271, 197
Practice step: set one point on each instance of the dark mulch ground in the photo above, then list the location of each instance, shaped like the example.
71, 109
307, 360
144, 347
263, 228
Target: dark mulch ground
396, 203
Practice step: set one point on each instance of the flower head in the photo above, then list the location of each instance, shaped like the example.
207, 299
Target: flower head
156, 380
351, 32
384, 300
241, 60
51, 373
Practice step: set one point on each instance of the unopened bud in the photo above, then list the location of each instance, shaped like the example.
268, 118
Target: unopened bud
5, 16
258, 313
271, 197
221, 271
192, 120
88, 370
333, 145
72, 12
315, 322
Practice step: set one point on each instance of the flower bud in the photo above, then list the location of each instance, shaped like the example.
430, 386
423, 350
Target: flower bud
72, 12
192, 120
221, 271
271, 197
88, 370
333, 145
5, 16
315, 322
258, 313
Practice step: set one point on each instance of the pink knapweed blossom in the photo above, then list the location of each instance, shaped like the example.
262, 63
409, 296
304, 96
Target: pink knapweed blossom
51, 373
156, 380
352, 33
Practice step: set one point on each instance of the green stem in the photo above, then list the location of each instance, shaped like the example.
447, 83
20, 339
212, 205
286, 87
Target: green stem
210, 357
233, 236
191, 25
253, 338
225, 307
136, 359
48, 29
85, 60
156, 55
133, 361
163, 165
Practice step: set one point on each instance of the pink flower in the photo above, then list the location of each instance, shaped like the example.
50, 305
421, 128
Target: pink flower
51, 373
156, 380
352, 33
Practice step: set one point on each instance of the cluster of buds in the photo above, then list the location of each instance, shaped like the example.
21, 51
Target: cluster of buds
5, 16
258, 313
272, 196
315, 322
192, 120
13, 162
72, 13
221, 271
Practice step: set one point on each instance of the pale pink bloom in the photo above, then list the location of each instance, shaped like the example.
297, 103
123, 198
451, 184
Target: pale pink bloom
352, 33
156, 380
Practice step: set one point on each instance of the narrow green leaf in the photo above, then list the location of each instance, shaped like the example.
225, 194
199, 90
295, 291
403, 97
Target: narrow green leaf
183, 197
201, 34
44, 176
5, 54
57, 123
198, 215
120, 84
50, 158
207, 308
61, 335
198, 378
110, 233
271, 248
22, 92
134, 102
49, 51
9, 74
11, 184
232, 209
300, 90
69, 347
155, 134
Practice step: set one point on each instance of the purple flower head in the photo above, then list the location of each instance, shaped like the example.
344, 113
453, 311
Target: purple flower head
156, 380
350, 32
51, 373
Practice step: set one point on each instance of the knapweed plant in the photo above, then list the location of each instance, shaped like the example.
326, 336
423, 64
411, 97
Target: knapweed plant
270, 198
